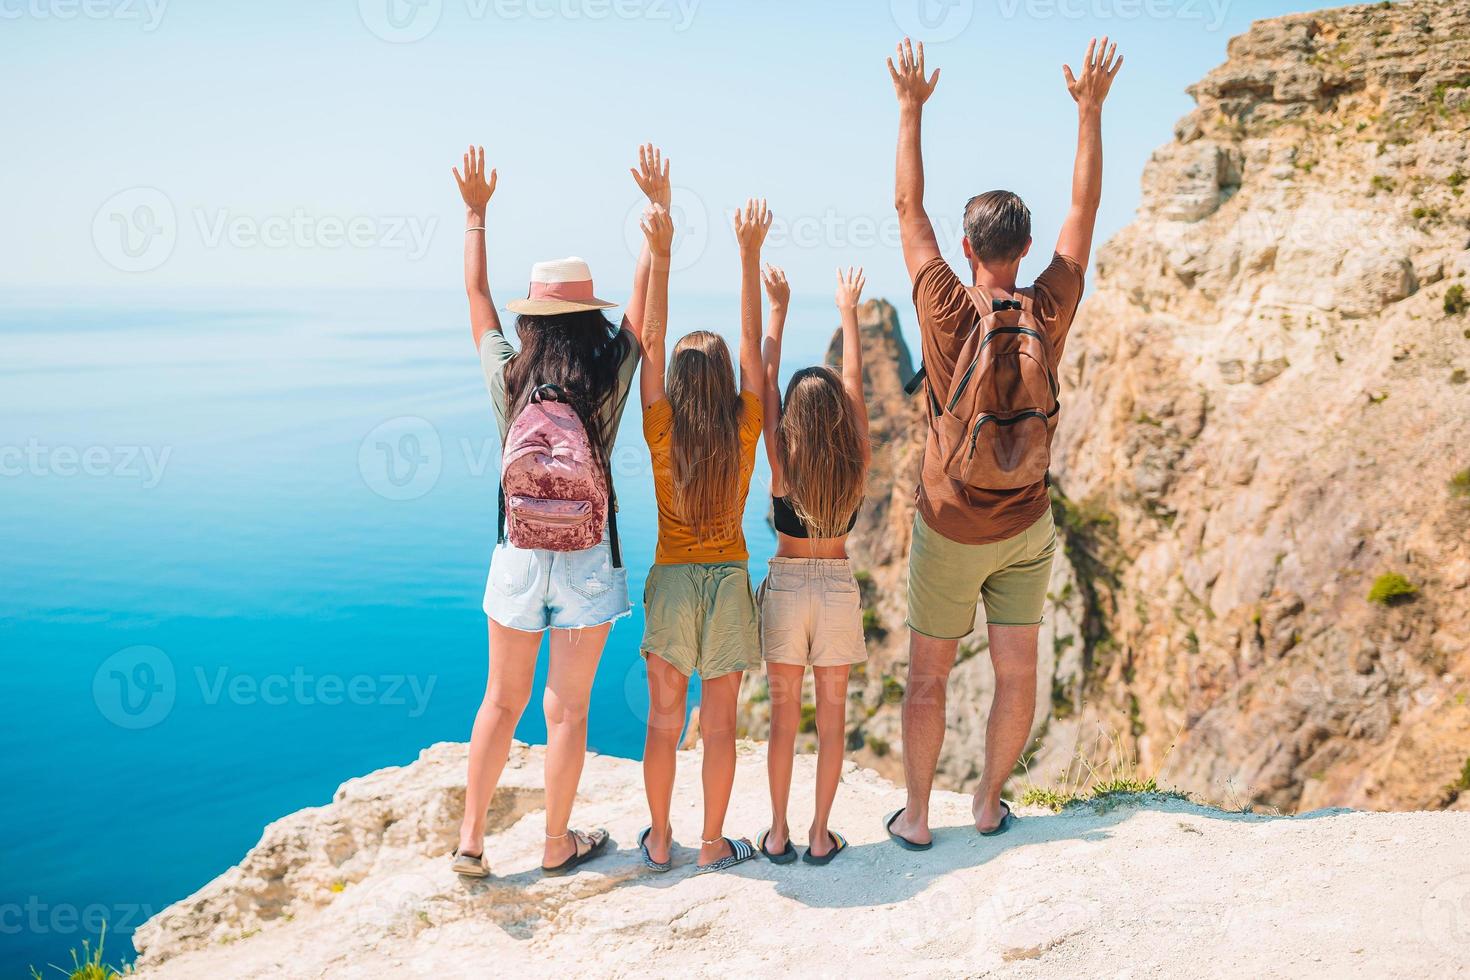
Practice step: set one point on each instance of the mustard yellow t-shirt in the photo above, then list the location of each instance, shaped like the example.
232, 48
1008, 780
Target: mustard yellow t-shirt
677, 543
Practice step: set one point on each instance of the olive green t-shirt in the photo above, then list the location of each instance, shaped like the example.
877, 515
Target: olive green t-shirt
496, 352
946, 318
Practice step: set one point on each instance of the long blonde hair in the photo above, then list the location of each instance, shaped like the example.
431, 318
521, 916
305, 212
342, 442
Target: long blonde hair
821, 452
706, 437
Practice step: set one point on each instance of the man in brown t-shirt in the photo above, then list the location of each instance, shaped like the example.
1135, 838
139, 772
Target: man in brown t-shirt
970, 545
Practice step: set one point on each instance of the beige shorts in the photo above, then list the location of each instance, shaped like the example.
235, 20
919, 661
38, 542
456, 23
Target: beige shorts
947, 579
700, 618
811, 613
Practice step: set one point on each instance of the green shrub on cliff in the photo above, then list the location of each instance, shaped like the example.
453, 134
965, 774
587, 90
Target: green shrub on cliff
1392, 589
1454, 300
1460, 484
86, 965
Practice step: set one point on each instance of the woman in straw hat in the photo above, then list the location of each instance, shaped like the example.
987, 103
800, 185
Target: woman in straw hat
567, 345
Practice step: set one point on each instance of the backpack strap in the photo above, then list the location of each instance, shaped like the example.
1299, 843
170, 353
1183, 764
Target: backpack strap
500, 518
921, 377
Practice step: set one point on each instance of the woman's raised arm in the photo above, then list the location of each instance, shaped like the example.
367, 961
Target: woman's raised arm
778, 291
652, 177
849, 291
750, 232
658, 236
477, 189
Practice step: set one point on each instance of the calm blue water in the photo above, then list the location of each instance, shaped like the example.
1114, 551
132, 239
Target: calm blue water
246, 539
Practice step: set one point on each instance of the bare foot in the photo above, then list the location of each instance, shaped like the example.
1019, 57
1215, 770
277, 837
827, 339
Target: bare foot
777, 838
660, 844
911, 827
710, 853
820, 842
471, 846
988, 813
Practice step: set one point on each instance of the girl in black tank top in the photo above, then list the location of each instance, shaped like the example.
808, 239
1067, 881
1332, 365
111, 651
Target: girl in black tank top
811, 607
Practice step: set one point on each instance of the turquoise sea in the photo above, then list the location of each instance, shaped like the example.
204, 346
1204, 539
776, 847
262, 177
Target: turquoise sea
246, 538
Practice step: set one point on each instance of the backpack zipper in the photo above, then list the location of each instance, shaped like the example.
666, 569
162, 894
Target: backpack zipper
975, 435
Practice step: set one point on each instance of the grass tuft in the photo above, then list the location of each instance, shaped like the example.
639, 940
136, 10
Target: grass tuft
1103, 775
1455, 302
86, 964
1392, 589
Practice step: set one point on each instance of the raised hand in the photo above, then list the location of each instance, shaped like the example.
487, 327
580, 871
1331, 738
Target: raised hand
751, 225
473, 186
908, 77
850, 287
652, 176
658, 230
1099, 68
778, 291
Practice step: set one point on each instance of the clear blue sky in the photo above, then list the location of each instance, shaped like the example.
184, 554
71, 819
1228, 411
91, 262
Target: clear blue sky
301, 121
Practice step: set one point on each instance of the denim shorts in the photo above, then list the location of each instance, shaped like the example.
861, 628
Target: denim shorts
534, 590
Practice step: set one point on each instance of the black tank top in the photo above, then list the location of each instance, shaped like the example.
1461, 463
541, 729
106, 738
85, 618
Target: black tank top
791, 525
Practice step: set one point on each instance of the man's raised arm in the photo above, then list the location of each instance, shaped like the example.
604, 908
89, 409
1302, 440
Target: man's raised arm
1089, 88
913, 90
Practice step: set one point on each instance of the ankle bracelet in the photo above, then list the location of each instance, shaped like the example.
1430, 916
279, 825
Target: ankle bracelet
558, 836
711, 843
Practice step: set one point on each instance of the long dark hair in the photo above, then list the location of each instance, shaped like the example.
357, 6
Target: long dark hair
706, 438
579, 352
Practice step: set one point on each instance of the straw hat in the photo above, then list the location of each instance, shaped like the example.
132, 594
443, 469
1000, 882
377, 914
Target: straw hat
559, 286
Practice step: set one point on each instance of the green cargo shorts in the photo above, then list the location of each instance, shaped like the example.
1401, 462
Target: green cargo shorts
947, 579
700, 618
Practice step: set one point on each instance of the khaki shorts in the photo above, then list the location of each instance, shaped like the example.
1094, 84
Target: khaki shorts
811, 613
946, 579
701, 619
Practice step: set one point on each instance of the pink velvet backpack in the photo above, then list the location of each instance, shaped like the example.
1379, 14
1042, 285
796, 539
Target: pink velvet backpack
554, 493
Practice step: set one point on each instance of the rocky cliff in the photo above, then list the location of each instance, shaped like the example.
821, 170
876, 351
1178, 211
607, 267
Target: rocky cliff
361, 887
1263, 465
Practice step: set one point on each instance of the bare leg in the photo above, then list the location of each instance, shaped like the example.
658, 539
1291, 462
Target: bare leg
785, 681
574, 657
930, 662
718, 701
831, 741
1013, 653
508, 688
667, 705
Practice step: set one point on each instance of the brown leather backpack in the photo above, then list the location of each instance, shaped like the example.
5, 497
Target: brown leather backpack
994, 425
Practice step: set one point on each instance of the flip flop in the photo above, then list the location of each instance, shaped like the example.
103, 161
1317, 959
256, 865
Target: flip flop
597, 843
899, 839
648, 861
785, 857
1004, 825
837, 839
740, 852
470, 865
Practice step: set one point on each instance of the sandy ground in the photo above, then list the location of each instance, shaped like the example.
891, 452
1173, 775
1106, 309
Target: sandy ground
1163, 888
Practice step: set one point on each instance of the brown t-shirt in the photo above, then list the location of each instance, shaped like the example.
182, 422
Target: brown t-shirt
946, 318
